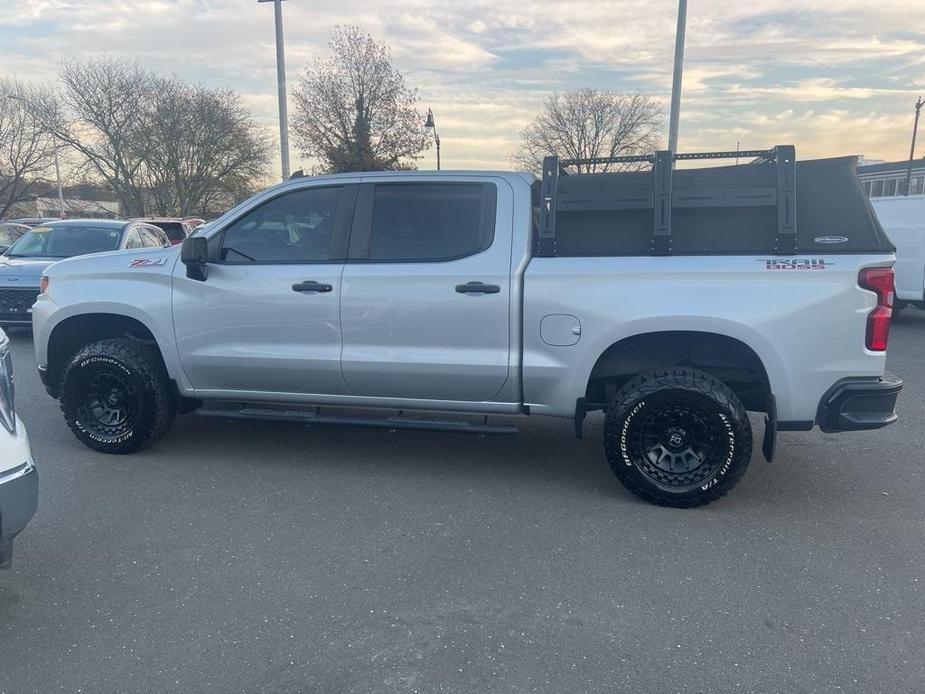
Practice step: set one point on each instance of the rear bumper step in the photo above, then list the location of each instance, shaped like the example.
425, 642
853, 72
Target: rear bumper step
854, 404
315, 416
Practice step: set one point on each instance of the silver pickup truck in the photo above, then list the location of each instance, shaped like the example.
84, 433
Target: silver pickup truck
675, 300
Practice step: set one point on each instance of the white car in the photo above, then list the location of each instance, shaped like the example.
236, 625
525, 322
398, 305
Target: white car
903, 219
19, 483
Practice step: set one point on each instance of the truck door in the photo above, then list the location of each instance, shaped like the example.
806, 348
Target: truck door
267, 319
425, 305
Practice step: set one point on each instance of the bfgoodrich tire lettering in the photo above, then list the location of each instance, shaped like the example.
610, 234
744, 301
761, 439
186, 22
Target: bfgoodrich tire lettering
677, 437
116, 396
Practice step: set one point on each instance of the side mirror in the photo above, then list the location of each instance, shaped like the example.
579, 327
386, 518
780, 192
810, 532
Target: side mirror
194, 253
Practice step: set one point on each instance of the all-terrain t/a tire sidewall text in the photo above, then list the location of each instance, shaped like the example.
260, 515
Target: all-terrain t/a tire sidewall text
724, 433
137, 369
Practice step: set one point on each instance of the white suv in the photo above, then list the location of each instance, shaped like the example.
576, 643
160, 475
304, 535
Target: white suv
19, 482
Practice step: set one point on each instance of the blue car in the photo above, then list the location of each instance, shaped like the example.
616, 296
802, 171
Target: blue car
22, 264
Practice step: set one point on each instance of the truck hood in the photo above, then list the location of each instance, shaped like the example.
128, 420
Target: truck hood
134, 262
23, 271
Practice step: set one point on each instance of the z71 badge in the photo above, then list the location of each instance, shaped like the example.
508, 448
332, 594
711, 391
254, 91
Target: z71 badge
796, 264
148, 262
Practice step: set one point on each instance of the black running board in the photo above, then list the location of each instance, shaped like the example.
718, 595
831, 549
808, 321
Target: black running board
314, 416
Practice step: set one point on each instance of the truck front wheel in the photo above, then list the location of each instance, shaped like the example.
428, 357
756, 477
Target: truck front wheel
116, 396
677, 437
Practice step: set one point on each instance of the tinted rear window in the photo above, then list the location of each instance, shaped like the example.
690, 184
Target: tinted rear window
174, 230
431, 221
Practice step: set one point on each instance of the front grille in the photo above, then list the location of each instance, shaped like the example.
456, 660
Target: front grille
17, 302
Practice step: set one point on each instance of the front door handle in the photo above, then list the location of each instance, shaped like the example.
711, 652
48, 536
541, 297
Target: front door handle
477, 288
311, 287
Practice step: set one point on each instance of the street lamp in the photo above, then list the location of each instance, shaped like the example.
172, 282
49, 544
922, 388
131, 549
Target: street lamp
429, 125
281, 88
54, 149
675, 112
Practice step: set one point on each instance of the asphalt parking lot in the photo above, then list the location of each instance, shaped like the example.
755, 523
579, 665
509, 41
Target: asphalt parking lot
262, 557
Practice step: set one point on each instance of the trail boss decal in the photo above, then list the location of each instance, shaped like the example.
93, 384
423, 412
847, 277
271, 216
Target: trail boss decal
795, 263
148, 262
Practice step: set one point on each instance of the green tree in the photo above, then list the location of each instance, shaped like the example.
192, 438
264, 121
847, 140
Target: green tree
353, 111
356, 153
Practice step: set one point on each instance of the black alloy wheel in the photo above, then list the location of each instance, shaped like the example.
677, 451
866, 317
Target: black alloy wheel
677, 437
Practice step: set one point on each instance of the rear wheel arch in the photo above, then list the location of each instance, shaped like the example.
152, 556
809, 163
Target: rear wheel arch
726, 358
75, 332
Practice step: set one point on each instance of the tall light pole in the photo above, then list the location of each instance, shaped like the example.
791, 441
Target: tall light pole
54, 146
918, 107
429, 124
676, 79
281, 88
54, 149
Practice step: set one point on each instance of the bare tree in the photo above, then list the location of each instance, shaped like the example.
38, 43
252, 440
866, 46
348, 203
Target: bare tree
26, 145
588, 123
204, 144
353, 111
159, 143
111, 112
228, 192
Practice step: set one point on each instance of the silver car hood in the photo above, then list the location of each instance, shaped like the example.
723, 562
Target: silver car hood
23, 271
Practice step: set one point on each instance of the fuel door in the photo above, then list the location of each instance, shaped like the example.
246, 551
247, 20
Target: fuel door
560, 329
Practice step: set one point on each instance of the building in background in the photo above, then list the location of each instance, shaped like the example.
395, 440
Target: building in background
888, 179
74, 208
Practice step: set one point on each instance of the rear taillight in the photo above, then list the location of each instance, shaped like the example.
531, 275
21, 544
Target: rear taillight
880, 281
43, 284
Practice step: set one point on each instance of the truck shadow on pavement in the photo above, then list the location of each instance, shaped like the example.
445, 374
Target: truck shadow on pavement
545, 452
544, 461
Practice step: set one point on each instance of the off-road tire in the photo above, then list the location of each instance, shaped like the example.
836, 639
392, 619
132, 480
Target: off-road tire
684, 404
135, 377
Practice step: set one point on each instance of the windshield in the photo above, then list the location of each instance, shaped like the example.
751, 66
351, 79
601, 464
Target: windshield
65, 241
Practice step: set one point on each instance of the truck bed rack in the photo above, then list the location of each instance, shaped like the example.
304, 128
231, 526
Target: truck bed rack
564, 192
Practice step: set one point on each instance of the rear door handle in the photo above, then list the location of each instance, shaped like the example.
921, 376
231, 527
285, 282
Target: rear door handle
477, 288
311, 287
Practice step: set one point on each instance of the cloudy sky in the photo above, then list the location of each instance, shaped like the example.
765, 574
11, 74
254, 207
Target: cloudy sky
831, 77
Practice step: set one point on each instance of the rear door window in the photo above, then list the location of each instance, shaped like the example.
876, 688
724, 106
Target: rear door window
152, 238
421, 222
133, 240
175, 231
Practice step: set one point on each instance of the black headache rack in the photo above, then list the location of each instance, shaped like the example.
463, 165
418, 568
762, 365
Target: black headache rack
733, 210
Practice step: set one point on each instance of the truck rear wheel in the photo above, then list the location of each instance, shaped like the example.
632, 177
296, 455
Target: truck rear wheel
677, 437
116, 396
